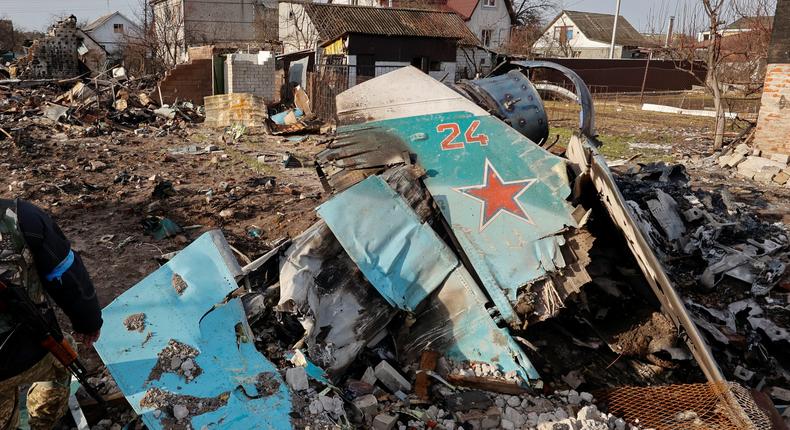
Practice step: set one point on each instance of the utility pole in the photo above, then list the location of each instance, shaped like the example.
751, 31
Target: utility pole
668, 39
614, 30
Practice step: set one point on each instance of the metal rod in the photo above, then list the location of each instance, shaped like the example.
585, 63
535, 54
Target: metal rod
644, 78
614, 30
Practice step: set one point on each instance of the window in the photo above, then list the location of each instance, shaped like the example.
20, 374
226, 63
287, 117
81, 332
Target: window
486, 37
489, 3
563, 33
117, 28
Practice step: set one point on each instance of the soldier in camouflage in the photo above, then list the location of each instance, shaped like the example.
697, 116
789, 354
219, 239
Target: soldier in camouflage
36, 255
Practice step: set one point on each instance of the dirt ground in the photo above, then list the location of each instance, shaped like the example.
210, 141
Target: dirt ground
101, 206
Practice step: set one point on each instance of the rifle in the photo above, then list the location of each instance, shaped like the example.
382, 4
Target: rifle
15, 301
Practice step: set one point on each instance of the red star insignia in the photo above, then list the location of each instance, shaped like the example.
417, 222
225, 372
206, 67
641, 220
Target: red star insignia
498, 196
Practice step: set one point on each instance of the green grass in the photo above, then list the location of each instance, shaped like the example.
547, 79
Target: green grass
616, 146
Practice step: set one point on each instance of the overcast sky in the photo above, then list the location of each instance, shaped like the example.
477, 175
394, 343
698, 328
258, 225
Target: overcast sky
645, 15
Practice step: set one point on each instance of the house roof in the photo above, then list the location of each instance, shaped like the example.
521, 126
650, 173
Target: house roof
751, 22
100, 21
598, 27
334, 20
466, 8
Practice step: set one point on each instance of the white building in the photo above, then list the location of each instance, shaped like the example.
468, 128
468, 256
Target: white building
244, 24
111, 31
742, 25
489, 20
576, 34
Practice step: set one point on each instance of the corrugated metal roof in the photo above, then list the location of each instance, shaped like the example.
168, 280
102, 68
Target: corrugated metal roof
333, 21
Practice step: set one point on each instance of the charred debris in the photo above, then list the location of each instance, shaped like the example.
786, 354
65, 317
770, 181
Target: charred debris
466, 272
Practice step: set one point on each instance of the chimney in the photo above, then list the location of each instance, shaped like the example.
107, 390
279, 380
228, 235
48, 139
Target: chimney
668, 40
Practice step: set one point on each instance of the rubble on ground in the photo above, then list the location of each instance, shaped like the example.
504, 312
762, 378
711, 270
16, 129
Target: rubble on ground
30, 111
177, 358
751, 163
584, 327
729, 265
384, 325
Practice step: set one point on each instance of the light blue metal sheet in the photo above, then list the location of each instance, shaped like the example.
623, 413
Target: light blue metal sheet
229, 361
403, 258
469, 331
503, 196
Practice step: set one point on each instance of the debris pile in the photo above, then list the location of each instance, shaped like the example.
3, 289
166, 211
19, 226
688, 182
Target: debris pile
750, 163
450, 282
30, 111
729, 265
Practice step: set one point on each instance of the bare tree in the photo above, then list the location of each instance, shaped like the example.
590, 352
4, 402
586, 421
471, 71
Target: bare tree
714, 9
522, 38
160, 44
297, 30
531, 12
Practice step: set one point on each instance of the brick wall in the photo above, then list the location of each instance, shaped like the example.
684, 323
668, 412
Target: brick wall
205, 52
189, 81
251, 74
773, 125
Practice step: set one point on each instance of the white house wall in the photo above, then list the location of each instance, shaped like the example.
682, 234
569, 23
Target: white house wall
296, 30
109, 39
494, 18
581, 46
230, 21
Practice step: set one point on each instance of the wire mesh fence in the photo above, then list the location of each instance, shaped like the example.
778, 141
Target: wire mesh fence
720, 406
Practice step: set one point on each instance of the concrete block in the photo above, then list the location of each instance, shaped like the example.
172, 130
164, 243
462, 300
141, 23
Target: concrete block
391, 378
766, 175
742, 149
367, 404
384, 422
752, 165
296, 377
781, 178
781, 158
734, 160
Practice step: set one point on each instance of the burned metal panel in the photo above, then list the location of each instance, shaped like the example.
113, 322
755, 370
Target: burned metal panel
182, 302
386, 239
322, 286
455, 321
592, 165
320, 283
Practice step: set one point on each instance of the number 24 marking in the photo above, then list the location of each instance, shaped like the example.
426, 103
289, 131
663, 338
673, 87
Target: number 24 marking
449, 143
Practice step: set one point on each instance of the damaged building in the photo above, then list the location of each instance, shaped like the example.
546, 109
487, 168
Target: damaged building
65, 52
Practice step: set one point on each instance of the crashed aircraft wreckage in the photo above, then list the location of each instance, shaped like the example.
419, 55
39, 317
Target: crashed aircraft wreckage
451, 228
